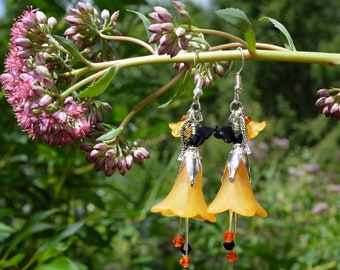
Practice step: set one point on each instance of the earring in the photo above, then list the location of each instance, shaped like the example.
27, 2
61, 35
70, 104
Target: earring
186, 199
235, 194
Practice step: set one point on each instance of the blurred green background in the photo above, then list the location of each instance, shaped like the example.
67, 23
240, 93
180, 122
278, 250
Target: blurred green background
57, 213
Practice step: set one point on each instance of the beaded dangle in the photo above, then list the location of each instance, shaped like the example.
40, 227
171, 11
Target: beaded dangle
186, 199
235, 194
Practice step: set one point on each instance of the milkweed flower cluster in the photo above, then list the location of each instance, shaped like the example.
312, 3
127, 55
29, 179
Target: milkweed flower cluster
86, 25
329, 102
39, 70
173, 38
110, 157
32, 90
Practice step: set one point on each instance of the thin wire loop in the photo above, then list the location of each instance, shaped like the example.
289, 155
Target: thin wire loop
242, 65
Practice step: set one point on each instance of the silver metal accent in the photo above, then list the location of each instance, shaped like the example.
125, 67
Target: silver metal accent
192, 158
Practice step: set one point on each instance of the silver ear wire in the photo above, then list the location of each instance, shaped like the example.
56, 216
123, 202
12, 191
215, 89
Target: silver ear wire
238, 85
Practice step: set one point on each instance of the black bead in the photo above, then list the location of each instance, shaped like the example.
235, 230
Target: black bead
237, 138
204, 133
182, 249
226, 133
229, 245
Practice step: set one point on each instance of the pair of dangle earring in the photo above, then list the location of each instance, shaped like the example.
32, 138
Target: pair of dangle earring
186, 199
235, 194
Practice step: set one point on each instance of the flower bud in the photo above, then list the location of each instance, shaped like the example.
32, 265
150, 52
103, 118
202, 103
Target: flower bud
29, 23
334, 108
41, 17
329, 100
70, 31
180, 32
154, 38
165, 40
219, 70
184, 14
322, 93
154, 16
100, 146
41, 72
23, 42
121, 164
72, 20
325, 110
167, 27
51, 22
95, 153
115, 16
183, 43
320, 102
163, 14
82, 7
155, 28
45, 100
129, 161
89, 7
179, 6
105, 15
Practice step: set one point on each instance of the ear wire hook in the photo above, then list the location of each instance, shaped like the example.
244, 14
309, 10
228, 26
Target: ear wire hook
238, 85
242, 66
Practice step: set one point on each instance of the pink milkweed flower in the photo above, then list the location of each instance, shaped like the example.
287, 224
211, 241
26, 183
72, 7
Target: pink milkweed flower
31, 90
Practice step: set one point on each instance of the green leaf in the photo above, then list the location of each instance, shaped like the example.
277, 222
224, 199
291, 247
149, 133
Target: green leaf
5, 231
14, 261
29, 227
44, 253
240, 21
113, 133
100, 85
145, 21
284, 34
57, 264
70, 47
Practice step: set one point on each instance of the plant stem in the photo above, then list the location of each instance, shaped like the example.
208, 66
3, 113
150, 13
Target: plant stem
234, 45
273, 55
151, 97
332, 59
129, 39
221, 34
85, 81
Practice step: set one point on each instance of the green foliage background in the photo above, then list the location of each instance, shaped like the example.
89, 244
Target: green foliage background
57, 213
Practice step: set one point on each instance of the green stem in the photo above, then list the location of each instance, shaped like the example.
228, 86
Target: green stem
129, 39
221, 34
150, 98
234, 45
87, 80
332, 59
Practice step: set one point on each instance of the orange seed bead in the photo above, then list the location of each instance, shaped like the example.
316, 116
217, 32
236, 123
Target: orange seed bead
232, 256
229, 236
185, 261
178, 241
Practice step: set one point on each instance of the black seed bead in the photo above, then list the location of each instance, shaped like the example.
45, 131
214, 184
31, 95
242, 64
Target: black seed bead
229, 245
182, 249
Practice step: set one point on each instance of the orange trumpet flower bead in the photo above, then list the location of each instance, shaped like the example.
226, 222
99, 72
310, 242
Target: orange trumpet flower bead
236, 195
253, 128
186, 200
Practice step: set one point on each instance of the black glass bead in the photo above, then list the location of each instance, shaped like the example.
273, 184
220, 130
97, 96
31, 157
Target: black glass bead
204, 133
237, 138
182, 249
226, 133
229, 245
